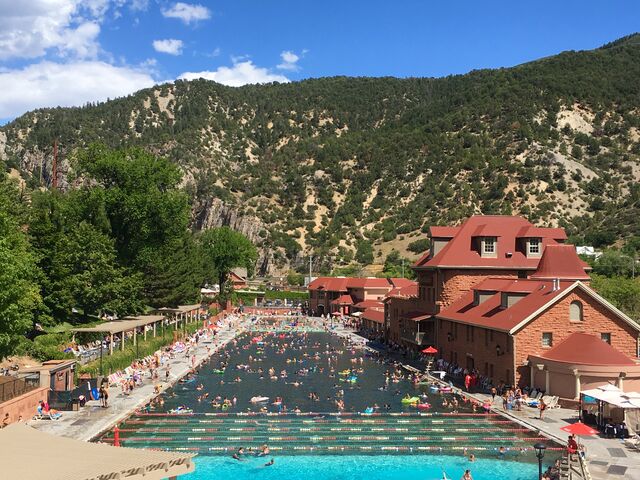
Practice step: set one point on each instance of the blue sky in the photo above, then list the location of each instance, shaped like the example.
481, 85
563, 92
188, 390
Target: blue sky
68, 52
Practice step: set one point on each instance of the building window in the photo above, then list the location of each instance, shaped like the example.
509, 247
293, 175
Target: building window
575, 311
534, 246
606, 337
547, 339
489, 245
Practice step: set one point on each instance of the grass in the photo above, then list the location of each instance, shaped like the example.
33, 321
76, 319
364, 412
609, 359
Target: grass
121, 359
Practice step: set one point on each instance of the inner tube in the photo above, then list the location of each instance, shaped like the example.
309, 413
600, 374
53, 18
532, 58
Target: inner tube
218, 371
180, 411
259, 399
411, 400
424, 406
368, 410
446, 389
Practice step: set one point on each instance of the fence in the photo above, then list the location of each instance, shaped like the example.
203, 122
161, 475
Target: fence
13, 387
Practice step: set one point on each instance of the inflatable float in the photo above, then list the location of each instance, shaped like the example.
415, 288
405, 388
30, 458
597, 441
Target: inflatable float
424, 406
259, 399
445, 390
218, 371
368, 411
180, 411
411, 400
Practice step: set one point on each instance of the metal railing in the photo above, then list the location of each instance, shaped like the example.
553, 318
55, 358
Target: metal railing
18, 386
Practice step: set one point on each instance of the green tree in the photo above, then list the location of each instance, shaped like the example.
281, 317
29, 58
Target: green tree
419, 246
613, 263
85, 275
139, 195
397, 266
364, 252
225, 249
623, 292
19, 292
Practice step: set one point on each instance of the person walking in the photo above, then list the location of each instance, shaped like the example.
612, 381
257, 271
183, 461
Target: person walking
543, 407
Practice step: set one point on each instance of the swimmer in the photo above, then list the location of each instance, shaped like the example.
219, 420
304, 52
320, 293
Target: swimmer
472, 458
269, 463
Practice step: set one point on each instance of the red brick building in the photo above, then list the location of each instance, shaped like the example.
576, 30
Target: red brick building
349, 294
497, 291
460, 257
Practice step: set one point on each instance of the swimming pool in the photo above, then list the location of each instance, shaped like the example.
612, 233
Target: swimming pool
397, 439
350, 467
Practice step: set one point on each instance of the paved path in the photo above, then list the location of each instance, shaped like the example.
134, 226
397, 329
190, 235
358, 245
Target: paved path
93, 419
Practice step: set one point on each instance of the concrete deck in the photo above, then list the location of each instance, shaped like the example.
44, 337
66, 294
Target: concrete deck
92, 419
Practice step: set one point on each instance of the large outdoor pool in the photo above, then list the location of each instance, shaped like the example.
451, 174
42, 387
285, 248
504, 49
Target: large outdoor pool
349, 467
329, 411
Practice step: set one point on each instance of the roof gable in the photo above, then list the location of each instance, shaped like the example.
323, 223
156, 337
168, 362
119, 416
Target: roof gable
540, 296
582, 348
459, 251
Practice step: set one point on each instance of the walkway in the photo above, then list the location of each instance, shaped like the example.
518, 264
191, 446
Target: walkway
92, 419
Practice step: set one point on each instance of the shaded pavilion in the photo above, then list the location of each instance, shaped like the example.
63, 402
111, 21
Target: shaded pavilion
29, 454
121, 327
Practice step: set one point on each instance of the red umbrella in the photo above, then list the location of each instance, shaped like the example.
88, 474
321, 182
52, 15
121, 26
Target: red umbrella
579, 428
430, 350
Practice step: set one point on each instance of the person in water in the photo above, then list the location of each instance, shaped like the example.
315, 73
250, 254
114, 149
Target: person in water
467, 475
269, 463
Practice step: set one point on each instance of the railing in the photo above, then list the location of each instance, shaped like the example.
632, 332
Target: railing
18, 386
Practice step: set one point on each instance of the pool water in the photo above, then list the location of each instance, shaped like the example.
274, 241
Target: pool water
397, 440
352, 467
312, 362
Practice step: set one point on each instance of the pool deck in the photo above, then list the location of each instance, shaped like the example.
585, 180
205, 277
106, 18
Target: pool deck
92, 419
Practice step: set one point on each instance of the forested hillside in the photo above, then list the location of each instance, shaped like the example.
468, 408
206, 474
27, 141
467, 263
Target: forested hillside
336, 166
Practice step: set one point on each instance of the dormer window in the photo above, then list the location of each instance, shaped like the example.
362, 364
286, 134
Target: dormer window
509, 299
533, 247
481, 296
488, 247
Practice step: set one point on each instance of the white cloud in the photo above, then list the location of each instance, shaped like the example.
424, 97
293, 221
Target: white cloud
289, 61
241, 73
50, 84
170, 46
28, 29
187, 12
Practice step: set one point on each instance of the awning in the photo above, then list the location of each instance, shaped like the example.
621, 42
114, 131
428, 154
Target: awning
124, 325
343, 300
614, 396
29, 454
417, 316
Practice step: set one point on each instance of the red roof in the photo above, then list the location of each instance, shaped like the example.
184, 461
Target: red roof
343, 300
369, 304
404, 292
342, 284
417, 316
374, 315
443, 232
458, 252
401, 282
585, 349
368, 282
561, 261
489, 313
332, 284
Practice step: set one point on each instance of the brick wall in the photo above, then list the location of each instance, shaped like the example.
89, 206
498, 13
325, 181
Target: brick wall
25, 404
454, 283
394, 309
480, 346
596, 320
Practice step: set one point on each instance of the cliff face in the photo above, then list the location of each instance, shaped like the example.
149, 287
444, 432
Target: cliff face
320, 166
213, 213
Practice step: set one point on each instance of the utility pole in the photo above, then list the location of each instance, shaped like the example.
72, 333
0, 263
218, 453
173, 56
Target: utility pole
403, 268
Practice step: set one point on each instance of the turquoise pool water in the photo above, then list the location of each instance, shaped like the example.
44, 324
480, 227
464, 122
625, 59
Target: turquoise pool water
348, 467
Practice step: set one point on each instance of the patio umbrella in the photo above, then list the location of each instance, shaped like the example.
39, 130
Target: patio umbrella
579, 428
430, 350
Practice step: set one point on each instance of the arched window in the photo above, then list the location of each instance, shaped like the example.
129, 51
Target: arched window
575, 311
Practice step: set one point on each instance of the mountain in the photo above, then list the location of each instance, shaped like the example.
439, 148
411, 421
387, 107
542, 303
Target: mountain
333, 165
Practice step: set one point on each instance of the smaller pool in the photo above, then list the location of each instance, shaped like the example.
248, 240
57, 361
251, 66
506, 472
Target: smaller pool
347, 467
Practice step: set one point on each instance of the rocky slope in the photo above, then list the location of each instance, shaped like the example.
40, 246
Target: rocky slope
320, 165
